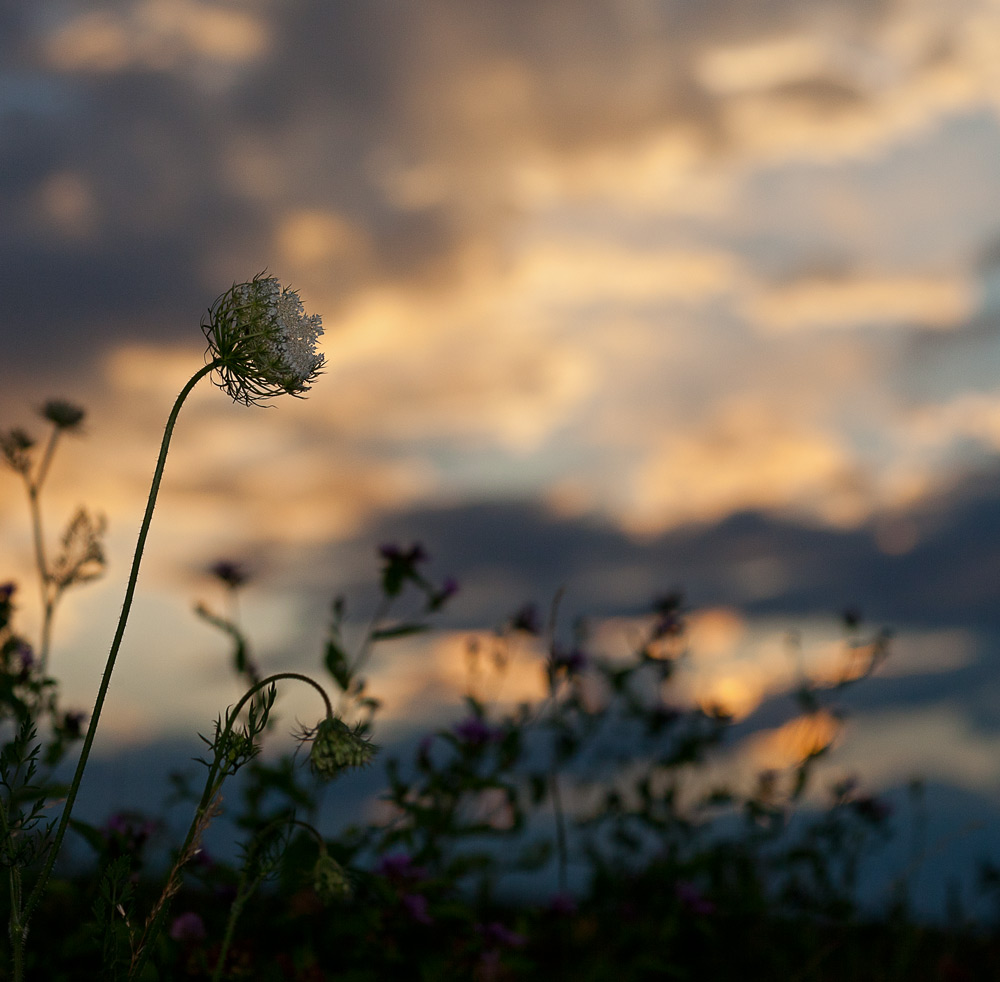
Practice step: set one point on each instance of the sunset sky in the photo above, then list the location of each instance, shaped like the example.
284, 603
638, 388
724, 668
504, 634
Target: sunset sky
620, 295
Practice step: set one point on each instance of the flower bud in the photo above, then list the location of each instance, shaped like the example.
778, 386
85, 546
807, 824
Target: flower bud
336, 747
330, 879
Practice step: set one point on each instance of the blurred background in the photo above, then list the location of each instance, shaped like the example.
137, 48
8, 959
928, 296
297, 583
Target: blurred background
620, 296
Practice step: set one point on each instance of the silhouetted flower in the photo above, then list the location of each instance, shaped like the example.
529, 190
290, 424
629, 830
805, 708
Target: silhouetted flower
25, 656
692, 898
499, 935
15, 446
263, 340
231, 573
872, 809
399, 867
188, 928
441, 596
416, 905
336, 746
563, 903
475, 732
412, 556
64, 415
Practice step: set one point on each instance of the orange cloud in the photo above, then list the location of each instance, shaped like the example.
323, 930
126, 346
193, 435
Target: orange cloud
157, 34
746, 456
863, 301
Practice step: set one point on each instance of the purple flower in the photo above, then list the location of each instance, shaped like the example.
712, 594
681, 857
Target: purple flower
26, 658
188, 928
692, 898
415, 904
7, 591
872, 809
394, 554
399, 866
439, 598
475, 732
498, 935
128, 832
562, 903
72, 723
232, 574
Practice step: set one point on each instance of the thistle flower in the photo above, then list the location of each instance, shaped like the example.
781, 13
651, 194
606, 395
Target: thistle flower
188, 928
263, 340
336, 746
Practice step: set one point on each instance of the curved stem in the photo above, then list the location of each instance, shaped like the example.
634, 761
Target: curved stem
213, 784
248, 886
36, 893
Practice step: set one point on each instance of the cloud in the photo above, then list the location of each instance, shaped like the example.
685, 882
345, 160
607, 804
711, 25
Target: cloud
864, 301
157, 35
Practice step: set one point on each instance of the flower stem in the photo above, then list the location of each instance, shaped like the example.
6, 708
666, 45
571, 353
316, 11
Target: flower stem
34, 485
209, 798
36, 894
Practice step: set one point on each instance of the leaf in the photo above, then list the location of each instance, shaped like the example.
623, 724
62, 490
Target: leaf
335, 660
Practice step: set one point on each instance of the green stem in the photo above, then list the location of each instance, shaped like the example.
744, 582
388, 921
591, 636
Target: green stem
363, 652
39, 888
248, 886
213, 784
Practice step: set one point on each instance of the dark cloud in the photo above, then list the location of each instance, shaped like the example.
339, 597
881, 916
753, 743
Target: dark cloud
345, 90
946, 580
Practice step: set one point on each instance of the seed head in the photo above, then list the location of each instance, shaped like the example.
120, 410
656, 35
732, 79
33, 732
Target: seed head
336, 746
263, 340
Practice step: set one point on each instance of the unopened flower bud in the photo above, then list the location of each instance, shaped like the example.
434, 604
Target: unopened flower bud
330, 879
336, 746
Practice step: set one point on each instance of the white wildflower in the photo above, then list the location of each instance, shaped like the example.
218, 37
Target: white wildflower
263, 340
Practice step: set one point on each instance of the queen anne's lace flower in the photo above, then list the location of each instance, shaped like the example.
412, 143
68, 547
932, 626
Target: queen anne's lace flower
263, 340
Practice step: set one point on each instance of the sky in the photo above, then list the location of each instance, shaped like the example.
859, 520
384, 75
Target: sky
619, 295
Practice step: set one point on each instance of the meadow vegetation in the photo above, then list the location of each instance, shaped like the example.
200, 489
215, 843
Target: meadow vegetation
570, 836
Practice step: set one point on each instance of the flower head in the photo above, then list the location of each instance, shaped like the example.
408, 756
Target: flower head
330, 879
233, 574
188, 928
336, 746
475, 732
263, 340
15, 447
64, 415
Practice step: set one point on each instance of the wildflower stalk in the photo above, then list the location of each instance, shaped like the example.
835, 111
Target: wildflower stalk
248, 884
36, 894
48, 600
209, 797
